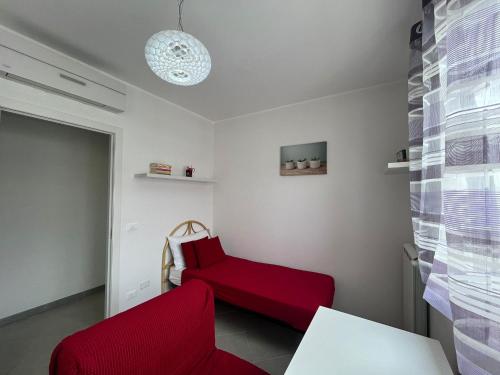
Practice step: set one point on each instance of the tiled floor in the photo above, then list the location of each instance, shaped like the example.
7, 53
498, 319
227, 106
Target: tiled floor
25, 346
266, 343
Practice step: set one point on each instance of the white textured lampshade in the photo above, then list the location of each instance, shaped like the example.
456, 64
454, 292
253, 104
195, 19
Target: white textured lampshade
178, 57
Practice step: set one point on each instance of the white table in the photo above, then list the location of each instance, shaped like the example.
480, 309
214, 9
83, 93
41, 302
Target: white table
343, 344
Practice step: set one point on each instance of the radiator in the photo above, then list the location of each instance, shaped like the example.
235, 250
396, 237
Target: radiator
415, 309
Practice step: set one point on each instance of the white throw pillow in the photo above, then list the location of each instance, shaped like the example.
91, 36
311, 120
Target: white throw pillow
175, 245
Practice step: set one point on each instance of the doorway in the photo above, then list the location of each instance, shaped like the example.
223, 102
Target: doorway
55, 214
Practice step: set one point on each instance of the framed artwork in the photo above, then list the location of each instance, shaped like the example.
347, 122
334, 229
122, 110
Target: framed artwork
303, 159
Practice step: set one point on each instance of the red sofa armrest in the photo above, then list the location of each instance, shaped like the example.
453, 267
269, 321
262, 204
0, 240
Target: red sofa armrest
170, 334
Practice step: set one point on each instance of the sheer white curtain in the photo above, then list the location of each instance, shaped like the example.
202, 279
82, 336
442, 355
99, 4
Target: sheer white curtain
454, 122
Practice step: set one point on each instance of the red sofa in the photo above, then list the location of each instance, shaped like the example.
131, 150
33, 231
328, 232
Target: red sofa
283, 293
171, 334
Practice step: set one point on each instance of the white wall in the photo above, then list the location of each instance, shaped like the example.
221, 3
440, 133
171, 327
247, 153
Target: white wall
153, 130
53, 211
350, 223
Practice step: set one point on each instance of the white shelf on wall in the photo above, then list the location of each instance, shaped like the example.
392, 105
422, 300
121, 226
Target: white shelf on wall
174, 178
399, 167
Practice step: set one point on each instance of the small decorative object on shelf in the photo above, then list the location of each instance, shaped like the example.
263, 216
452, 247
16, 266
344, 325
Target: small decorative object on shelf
189, 171
289, 164
160, 168
402, 155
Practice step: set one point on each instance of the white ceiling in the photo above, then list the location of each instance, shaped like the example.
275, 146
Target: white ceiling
265, 53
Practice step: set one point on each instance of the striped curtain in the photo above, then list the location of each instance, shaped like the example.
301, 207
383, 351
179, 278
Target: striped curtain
454, 135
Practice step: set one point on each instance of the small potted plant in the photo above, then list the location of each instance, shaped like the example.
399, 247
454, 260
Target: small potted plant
289, 164
315, 163
302, 164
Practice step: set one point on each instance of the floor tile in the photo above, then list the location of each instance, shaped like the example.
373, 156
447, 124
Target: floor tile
11, 351
29, 370
275, 366
236, 344
223, 307
273, 343
233, 322
26, 345
257, 339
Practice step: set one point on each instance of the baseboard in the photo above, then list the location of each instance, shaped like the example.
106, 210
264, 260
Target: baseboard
50, 305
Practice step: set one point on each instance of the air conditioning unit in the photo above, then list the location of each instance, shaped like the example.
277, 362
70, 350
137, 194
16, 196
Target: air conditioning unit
27, 61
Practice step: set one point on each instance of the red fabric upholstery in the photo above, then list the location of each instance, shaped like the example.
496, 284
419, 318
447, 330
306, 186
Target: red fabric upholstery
286, 294
171, 334
189, 255
209, 252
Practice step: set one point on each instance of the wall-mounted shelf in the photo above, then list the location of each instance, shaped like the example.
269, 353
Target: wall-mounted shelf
398, 167
174, 178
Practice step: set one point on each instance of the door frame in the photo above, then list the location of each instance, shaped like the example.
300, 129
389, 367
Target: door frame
9, 104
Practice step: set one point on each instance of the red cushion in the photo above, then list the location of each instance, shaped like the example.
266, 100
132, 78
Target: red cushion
189, 255
283, 293
209, 251
170, 334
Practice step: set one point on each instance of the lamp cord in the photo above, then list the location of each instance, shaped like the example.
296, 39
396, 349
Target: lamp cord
179, 24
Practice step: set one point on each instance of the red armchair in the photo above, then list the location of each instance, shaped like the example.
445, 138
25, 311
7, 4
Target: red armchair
170, 334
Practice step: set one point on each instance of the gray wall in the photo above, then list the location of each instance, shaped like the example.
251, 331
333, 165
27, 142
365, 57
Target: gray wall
53, 211
441, 329
350, 223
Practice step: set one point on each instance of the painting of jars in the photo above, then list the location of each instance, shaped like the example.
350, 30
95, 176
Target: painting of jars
303, 159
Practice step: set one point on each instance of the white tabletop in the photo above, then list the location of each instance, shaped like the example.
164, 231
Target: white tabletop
339, 343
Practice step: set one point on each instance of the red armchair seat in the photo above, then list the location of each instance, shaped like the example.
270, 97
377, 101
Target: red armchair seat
170, 334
